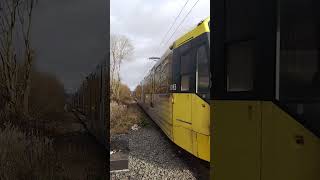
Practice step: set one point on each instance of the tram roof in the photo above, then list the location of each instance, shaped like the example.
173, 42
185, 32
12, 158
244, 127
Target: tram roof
202, 27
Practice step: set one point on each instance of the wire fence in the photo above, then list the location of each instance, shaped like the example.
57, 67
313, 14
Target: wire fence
91, 101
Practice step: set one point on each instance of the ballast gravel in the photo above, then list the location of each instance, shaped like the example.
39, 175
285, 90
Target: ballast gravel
152, 156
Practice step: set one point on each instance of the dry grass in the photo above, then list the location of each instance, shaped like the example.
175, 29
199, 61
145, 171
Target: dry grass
123, 112
123, 117
25, 156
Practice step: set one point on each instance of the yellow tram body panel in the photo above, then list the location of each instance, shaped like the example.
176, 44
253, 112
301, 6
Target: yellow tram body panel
250, 136
191, 124
236, 127
185, 119
161, 113
295, 148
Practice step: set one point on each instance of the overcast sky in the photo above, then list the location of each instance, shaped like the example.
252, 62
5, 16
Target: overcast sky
69, 38
146, 22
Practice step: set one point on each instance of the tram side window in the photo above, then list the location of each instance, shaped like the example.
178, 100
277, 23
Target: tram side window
240, 66
163, 77
299, 51
203, 72
143, 95
299, 61
185, 82
186, 72
157, 80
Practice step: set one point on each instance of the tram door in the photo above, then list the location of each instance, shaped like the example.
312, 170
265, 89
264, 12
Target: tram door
190, 110
235, 110
237, 122
184, 81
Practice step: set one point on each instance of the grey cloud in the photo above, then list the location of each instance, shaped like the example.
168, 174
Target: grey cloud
145, 22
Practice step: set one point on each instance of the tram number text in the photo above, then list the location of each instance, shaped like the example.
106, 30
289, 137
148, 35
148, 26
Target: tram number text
173, 87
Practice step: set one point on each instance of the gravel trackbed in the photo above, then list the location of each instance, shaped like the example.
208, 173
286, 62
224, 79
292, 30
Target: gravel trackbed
153, 156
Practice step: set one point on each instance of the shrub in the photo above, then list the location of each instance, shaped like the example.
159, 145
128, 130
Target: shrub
125, 94
138, 92
47, 97
122, 94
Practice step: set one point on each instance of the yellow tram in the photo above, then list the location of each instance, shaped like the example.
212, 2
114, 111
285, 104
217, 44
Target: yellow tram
252, 110
176, 92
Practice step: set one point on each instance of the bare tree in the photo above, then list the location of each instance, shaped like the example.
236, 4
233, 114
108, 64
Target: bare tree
25, 16
15, 22
121, 50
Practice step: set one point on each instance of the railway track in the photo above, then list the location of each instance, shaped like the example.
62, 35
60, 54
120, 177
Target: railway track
153, 155
79, 154
200, 168
82, 119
